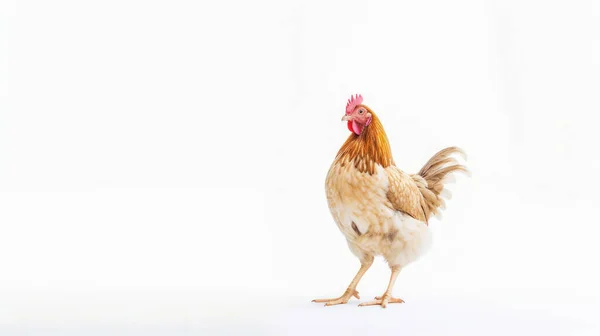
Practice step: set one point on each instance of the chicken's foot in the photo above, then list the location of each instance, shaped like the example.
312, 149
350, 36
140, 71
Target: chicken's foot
351, 291
387, 296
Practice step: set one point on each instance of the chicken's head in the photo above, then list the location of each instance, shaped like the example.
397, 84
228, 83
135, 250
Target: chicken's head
357, 115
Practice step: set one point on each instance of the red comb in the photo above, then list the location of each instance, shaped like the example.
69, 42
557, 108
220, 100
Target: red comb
353, 102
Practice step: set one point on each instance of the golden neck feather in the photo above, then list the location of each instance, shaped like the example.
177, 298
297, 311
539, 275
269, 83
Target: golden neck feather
367, 149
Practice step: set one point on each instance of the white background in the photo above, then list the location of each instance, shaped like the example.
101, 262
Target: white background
162, 164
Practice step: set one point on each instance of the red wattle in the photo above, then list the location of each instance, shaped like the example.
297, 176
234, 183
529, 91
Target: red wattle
350, 126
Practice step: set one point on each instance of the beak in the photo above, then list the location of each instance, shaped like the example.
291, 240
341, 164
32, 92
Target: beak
346, 118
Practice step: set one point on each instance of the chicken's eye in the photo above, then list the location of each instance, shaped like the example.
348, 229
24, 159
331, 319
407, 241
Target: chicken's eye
361, 111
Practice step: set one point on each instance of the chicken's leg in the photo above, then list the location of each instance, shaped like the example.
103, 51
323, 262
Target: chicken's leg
351, 291
387, 296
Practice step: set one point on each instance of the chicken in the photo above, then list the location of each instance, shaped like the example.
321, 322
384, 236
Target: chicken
380, 209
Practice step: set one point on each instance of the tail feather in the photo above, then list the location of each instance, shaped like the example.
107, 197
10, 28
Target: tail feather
437, 172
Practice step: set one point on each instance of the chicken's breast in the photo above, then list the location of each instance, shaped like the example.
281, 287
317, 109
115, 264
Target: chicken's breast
362, 211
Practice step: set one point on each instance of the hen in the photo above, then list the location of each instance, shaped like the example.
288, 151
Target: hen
380, 209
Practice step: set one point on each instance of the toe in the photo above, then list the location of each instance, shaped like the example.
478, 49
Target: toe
342, 299
335, 302
370, 303
321, 300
